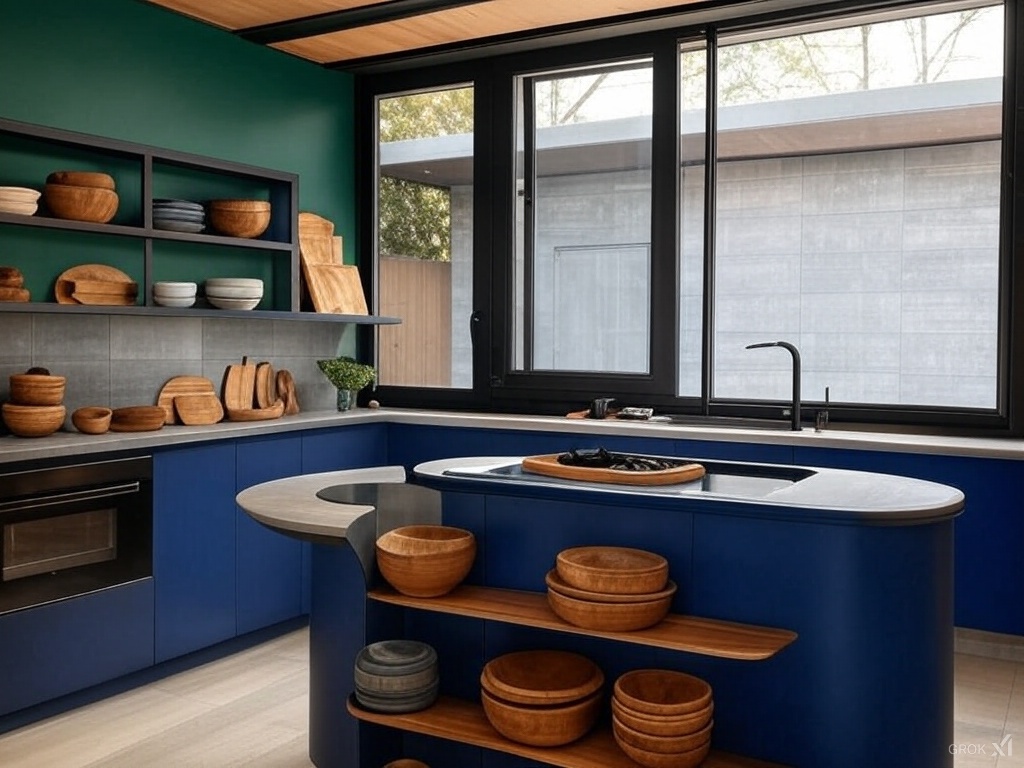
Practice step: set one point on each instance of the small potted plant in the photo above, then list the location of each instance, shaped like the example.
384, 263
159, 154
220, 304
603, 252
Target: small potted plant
348, 377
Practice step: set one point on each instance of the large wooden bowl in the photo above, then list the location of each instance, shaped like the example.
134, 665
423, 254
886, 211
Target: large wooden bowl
609, 617
662, 725
666, 745
92, 420
94, 204
549, 726
541, 677
82, 179
239, 218
558, 584
613, 570
406, 763
425, 560
37, 389
691, 759
137, 418
662, 692
33, 420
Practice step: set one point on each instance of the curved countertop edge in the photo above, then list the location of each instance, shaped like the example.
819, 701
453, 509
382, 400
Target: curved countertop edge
829, 495
291, 504
17, 449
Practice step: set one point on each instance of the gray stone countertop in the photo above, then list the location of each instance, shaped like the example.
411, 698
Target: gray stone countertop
16, 449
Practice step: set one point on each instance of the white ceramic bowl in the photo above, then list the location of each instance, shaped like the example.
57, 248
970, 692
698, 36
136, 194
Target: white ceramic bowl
19, 195
174, 301
222, 303
23, 209
174, 290
234, 293
253, 284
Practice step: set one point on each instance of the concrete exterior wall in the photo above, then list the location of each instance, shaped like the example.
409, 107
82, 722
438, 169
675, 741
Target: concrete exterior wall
881, 266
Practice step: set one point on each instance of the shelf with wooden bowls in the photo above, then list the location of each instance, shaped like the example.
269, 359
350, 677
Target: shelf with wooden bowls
464, 721
709, 637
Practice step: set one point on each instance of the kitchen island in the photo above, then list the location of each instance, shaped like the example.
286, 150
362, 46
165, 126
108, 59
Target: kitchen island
826, 595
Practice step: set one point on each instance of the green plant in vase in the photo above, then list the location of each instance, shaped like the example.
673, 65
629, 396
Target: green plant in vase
348, 377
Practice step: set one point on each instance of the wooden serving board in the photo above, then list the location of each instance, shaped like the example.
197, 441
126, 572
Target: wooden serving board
198, 410
239, 386
548, 465
266, 385
178, 386
286, 391
336, 289
256, 414
104, 292
65, 285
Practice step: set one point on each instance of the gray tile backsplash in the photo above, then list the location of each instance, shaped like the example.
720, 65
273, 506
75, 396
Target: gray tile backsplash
124, 360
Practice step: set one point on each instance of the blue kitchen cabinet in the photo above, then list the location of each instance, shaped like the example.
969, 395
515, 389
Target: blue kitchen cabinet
194, 547
365, 445
269, 566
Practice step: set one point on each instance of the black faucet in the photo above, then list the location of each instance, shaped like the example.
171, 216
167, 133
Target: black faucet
795, 411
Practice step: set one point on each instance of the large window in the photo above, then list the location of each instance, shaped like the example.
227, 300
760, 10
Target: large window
650, 206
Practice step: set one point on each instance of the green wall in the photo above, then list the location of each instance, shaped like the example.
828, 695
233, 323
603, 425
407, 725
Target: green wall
128, 70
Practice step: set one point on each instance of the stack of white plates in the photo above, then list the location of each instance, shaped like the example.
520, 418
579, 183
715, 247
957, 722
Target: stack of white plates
18, 200
234, 292
179, 216
173, 294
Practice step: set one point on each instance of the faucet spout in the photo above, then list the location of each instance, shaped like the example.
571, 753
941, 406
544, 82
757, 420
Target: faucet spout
795, 409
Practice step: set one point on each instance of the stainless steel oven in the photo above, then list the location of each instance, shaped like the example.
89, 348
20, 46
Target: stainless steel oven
75, 529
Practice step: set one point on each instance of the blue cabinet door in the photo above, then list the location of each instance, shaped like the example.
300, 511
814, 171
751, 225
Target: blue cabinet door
194, 547
365, 445
269, 564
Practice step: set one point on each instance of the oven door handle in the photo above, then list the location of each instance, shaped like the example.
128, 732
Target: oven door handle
68, 497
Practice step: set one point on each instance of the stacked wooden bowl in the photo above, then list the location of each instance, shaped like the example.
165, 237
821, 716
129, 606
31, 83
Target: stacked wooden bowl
396, 676
613, 589
541, 698
81, 196
662, 719
36, 404
12, 285
425, 560
239, 218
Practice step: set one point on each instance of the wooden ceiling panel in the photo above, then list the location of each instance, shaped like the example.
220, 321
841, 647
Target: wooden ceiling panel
241, 14
461, 24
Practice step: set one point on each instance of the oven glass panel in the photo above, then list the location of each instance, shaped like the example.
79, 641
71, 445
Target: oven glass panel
55, 543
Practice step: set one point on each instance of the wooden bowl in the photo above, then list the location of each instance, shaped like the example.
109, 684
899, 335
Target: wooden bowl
239, 218
92, 420
662, 692
541, 677
609, 617
557, 584
33, 420
80, 203
666, 745
549, 726
37, 389
425, 560
82, 179
137, 418
691, 759
612, 570
662, 725
406, 763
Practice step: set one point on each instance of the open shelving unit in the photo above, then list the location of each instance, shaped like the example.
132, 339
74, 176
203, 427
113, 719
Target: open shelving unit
144, 173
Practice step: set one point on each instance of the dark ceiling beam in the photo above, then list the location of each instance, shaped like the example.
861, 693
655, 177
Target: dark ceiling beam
352, 18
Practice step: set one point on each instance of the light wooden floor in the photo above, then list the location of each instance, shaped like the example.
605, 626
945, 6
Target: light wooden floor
250, 709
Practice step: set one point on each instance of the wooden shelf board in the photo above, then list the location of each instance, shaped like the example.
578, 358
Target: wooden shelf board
709, 637
465, 722
41, 307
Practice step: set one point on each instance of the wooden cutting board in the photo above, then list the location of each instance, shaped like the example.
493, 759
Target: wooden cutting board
266, 385
286, 391
257, 414
548, 465
182, 385
65, 285
336, 289
239, 386
312, 225
197, 410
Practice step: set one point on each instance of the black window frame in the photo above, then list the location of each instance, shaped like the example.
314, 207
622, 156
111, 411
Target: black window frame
499, 388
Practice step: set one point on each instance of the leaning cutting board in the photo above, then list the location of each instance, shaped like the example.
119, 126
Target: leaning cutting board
548, 465
239, 386
65, 285
286, 391
182, 385
336, 289
266, 385
197, 410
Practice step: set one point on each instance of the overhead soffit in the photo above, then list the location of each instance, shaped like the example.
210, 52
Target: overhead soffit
333, 32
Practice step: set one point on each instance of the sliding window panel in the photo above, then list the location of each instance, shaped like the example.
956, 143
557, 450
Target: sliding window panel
858, 210
582, 255
425, 237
